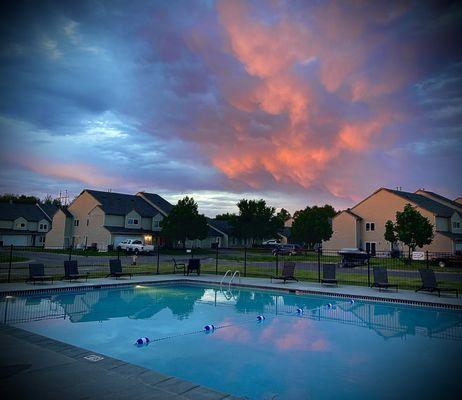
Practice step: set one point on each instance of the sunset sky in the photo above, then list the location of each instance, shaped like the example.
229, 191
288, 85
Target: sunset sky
297, 102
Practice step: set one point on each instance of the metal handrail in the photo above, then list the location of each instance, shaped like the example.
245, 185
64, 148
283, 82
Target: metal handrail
236, 273
225, 275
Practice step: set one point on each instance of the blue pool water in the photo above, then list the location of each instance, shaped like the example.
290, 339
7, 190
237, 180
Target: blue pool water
350, 351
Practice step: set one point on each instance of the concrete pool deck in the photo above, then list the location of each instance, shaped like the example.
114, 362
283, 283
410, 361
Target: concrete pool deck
36, 367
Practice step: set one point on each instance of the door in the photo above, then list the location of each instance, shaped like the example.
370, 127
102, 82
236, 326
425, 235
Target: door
370, 248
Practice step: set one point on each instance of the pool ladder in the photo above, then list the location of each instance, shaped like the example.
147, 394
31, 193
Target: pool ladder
235, 274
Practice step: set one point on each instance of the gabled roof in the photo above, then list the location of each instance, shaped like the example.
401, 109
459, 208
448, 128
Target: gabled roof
121, 204
157, 201
440, 210
458, 206
220, 225
348, 211
49, 209
29, 211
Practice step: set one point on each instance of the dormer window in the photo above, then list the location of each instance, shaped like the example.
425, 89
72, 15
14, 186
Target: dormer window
132, 221
156, 224
455, 225
76, 222
43, 227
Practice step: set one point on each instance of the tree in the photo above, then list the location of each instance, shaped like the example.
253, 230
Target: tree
411, 228
283, 215
390, 235
313, 225
256, 220
184, 222
16, 198
50, 201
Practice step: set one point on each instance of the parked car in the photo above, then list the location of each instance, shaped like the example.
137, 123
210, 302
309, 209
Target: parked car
135, 245
287, 249
352, 258
270, 243
448, 260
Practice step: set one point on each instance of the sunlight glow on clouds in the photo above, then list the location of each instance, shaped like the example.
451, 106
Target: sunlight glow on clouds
298, 102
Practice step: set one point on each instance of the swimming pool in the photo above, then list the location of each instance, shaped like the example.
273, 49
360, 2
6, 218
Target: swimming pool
346, 350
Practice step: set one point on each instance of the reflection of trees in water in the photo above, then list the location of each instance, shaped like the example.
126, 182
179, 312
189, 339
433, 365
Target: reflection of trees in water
132, 303
253, 301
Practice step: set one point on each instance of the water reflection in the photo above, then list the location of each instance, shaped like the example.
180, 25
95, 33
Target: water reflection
388, 321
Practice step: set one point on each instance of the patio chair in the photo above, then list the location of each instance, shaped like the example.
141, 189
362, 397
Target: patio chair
288, 271
429, 283
71, 271
194, 264
37, 273
328, 274
179, 265
381, 279
115, 268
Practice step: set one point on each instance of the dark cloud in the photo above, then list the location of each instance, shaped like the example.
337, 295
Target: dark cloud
325, 101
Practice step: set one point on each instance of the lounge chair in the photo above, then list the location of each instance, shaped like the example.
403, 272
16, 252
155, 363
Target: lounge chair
328, 274
71, 271
288, 271
381, 279
429, 283
194, 264
179, 265
115, 268
37, 273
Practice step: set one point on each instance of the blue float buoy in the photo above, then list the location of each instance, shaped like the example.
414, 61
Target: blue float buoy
329, 305
299, 311
209, 328
142, 341
352, 301
260, 318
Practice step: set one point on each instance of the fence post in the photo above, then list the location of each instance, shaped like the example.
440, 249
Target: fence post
426, 259
319, 265
277, 263
158, 259
216, 261
9, 265
70, 252
368, 269
245, 261
118, 252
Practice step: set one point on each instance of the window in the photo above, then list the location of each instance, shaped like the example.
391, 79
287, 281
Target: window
456, 225
370, 226
76, 222
23, 225
132, 221
156, 224
88, 221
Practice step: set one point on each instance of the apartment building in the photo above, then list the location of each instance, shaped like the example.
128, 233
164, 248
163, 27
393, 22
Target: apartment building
363, 226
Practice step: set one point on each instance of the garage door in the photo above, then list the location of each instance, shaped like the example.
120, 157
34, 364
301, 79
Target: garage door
15, 240
120, 238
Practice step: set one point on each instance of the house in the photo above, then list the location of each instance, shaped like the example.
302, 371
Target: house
25, 224
363, 226
102, 219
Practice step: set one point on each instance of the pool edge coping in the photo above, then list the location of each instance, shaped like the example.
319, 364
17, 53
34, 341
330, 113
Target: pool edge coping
111, 364
170, 280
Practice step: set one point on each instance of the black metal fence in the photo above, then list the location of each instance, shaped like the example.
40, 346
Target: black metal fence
251, 262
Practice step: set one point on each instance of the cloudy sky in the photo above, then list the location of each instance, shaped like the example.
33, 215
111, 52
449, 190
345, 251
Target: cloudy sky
298, 102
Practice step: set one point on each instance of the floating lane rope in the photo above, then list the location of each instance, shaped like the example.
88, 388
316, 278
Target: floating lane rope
144, 341
209, 328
